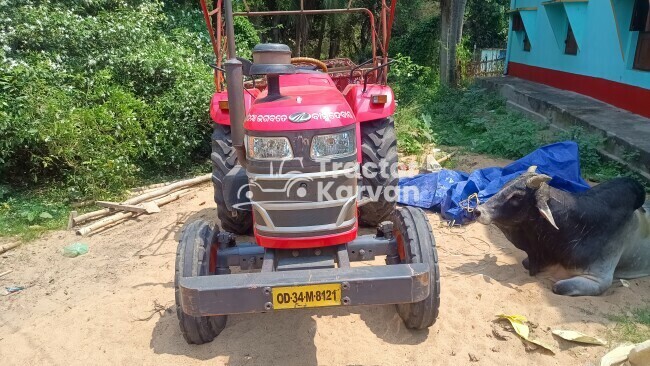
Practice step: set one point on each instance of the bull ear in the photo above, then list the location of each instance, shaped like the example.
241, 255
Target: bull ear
537, 180
532, 169
542, 196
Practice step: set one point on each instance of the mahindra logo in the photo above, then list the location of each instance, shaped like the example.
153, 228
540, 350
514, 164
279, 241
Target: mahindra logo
300, 117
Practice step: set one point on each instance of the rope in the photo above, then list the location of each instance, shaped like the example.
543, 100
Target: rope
467, 204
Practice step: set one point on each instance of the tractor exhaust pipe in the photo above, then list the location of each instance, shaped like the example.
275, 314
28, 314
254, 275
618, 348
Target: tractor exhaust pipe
235, 87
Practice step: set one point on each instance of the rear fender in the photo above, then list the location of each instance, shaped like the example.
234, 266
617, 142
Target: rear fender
361, 102
222, 116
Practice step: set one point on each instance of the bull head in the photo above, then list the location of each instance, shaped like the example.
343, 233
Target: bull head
539, 182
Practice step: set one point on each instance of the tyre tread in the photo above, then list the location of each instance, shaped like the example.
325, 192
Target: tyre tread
417, 233
195, 237
378, 143
224, 160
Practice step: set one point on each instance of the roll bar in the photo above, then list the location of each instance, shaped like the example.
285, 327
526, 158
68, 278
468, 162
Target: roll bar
214, 21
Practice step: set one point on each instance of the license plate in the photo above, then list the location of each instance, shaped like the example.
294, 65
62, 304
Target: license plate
312, 296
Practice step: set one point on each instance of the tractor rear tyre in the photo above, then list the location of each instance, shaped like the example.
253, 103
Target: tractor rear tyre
192, 260
224, 159
416, 244
379, 170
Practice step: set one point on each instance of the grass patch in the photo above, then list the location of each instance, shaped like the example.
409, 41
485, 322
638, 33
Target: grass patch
413, 129
28, 213
634, 328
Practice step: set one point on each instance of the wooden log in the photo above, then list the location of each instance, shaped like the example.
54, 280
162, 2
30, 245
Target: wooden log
149, 187
163, 201
73, 214
104, 222
91, 215
109, 227
145, 197
8, 247
171, 198
446, 157
121, 207
122, 216
151, 207
168, 189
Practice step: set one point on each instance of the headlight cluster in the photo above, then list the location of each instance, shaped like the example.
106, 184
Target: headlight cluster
269, 148
322, 147
333, 146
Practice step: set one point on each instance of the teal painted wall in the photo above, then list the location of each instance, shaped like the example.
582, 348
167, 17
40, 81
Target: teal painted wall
606, 47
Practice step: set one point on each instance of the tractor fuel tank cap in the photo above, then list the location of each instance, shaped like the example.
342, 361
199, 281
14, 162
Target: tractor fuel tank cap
272, 58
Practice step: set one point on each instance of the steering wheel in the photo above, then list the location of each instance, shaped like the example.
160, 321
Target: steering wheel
310, 61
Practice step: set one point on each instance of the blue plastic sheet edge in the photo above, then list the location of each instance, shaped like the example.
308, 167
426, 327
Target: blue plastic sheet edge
448, 191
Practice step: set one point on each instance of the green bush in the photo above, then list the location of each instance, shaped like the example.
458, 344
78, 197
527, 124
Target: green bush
413, 85
479, 120
97, 95
410, 81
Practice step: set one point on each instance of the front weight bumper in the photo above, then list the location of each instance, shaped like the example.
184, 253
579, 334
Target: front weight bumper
252, 292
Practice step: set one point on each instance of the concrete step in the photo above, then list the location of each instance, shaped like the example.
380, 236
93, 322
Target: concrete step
627, 135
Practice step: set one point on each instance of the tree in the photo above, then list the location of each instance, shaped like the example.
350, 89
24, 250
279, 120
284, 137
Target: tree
486, 23
452, 13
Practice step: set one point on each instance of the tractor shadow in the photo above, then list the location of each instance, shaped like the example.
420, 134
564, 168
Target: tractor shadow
284, 338
383, 321
279, 338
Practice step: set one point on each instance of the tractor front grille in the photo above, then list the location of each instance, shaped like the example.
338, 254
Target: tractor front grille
304, 204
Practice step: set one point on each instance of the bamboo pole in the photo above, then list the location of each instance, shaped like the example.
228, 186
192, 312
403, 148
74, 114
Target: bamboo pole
121, 207
104, 222
90, 215
73, 215
8, 247
144, 197
167, 189
446, 157
123, 216
150, 187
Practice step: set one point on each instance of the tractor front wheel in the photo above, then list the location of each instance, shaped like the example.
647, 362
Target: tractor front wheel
193, 259
224, 159
416, 244
379, 171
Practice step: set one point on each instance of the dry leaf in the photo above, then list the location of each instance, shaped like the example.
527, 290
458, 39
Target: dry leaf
518, 322
574, 336
541, 344
616, 356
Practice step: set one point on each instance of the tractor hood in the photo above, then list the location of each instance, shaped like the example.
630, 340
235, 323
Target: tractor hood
304, 107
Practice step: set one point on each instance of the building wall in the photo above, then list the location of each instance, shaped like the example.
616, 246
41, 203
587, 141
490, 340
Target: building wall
606, 48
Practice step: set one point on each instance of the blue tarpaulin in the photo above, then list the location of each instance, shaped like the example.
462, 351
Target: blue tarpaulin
445, 190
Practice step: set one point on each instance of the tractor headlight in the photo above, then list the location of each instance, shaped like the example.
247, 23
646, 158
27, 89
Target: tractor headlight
334, 145
268, 148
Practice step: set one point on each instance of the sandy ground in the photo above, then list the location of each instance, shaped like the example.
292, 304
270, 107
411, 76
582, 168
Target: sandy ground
100, 308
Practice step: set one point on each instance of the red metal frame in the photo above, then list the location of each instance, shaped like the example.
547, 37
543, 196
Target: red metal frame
214, 16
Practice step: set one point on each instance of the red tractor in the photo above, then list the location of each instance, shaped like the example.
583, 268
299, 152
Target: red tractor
303, 152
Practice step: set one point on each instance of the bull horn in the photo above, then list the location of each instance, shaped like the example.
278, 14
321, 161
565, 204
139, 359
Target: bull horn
542, 196
532, 169
536, 181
